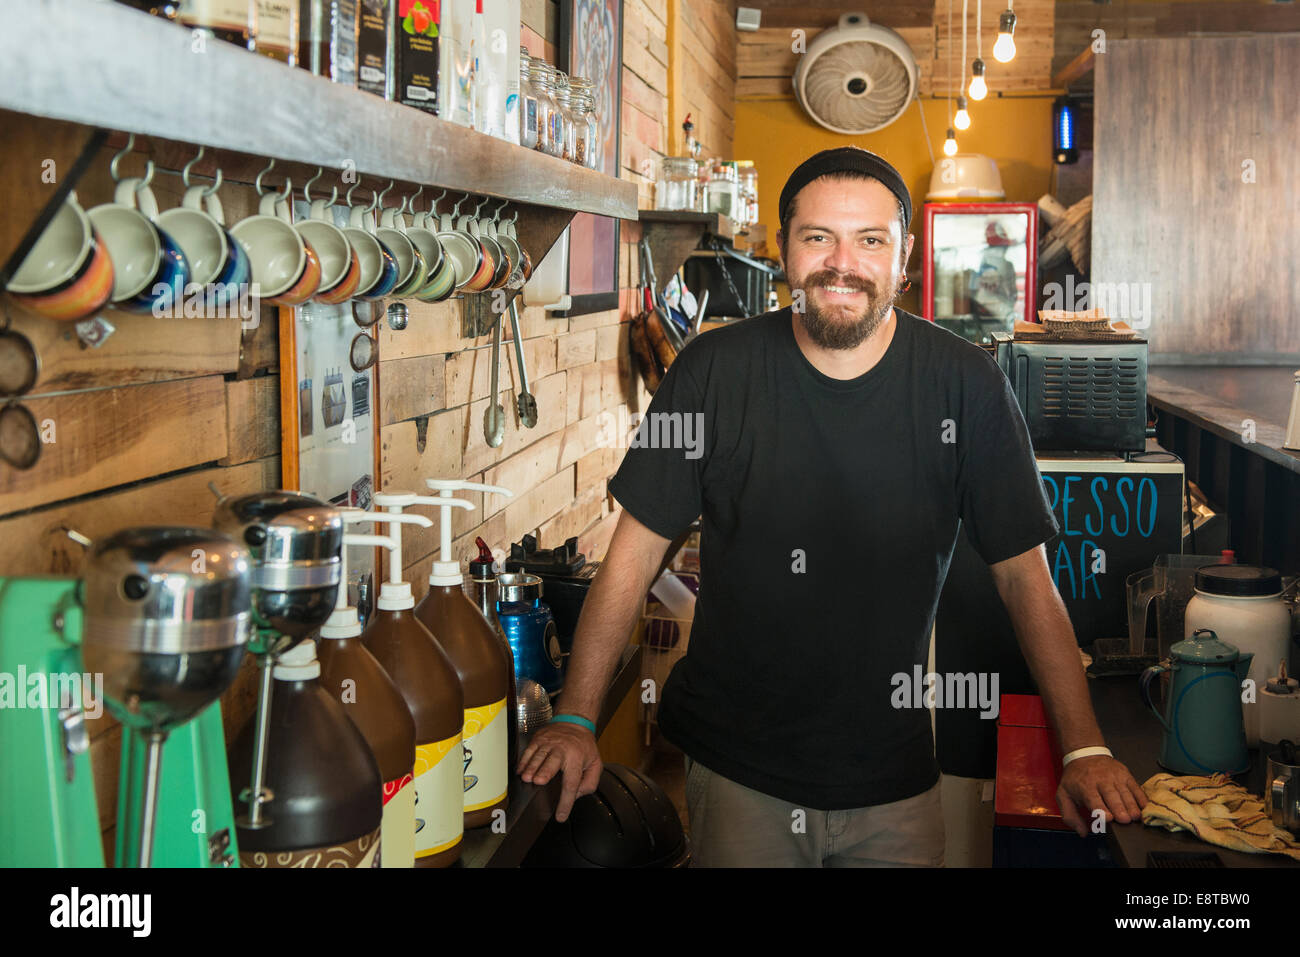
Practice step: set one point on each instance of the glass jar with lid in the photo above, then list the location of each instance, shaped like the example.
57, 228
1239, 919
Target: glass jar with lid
580, 103
585, 116
747, 177
539, 78
527, 102
722, 189
677, 184
565, 114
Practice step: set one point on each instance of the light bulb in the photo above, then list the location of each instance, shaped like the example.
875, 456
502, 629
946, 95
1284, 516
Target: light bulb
950, 144
962, 119
978, 88
1005, 47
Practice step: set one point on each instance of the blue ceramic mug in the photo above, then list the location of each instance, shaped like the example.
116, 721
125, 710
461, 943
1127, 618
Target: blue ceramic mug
218, 264
149, 270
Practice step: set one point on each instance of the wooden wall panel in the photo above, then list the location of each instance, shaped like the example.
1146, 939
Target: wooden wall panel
1180, 125
45, 548
111, 437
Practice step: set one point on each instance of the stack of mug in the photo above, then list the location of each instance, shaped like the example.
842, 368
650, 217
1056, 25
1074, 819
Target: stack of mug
127, 254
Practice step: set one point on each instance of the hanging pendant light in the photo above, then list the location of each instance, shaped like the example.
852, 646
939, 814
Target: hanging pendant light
1004, 50
962, 120
978, 89
950, 142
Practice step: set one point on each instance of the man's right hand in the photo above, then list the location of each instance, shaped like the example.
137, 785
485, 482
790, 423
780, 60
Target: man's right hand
566, 748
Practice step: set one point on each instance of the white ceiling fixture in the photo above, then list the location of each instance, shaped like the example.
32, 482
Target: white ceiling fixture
856, 77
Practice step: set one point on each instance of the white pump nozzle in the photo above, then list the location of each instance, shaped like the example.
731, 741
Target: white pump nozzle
447, 571
344, 623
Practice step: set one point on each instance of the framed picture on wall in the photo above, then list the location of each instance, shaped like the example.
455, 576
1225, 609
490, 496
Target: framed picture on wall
591, 46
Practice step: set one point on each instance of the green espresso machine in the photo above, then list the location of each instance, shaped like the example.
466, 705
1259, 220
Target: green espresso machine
155, 630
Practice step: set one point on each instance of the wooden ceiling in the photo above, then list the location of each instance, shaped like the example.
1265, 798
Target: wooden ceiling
1049, 34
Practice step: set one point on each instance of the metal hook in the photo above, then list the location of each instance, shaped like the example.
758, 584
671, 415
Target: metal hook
433, 206
185, 172
455, 210
257, 183
288, 188
117, 157
353, 189
513, 219
496, 215
148, 176
379, 200
216, 184
479, 206
306, 187
408, 204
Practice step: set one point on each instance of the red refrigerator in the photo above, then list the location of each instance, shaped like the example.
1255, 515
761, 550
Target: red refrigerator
980, 266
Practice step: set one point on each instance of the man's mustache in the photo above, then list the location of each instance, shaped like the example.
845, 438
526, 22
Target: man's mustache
826, 278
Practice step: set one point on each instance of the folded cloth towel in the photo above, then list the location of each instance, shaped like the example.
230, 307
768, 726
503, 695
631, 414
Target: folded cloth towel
1218, 811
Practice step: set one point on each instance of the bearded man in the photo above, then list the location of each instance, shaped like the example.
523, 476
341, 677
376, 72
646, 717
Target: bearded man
844, 443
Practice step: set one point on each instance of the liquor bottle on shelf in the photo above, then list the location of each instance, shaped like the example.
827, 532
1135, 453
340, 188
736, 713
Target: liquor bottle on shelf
277, 30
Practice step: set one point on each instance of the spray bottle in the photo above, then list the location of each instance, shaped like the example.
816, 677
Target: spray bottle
432, 689
483, 663
352, 675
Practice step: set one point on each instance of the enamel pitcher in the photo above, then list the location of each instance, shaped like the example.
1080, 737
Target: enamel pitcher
1204, 731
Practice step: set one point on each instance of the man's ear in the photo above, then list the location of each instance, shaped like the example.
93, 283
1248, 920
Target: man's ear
780, 247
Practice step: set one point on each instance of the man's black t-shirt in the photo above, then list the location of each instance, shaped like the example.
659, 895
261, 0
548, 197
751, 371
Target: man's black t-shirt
829, 510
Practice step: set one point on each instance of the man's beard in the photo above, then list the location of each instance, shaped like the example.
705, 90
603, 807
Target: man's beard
829, 329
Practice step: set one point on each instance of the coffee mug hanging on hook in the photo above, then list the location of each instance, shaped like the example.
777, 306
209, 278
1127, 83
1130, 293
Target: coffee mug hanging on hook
20, 439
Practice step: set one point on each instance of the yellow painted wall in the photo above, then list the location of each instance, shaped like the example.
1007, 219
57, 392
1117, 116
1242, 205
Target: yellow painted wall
1015, 131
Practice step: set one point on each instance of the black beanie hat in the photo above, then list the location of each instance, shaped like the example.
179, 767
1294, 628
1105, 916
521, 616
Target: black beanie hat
844, 159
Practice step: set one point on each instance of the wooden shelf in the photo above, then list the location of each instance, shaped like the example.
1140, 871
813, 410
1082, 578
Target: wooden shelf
674, 233
122, 69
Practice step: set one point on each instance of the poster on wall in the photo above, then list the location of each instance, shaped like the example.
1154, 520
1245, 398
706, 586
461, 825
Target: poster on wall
327, 420
591, 37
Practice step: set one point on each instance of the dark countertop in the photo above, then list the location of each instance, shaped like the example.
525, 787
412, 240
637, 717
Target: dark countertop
530, 807
1133, 735
1218, 398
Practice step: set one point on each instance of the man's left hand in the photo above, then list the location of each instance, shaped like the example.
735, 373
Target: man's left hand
1098, 783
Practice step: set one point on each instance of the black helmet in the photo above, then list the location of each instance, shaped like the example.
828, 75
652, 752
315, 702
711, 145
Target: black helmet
628, 822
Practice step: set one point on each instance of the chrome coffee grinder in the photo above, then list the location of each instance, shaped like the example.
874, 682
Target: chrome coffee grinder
295, 543
166, 624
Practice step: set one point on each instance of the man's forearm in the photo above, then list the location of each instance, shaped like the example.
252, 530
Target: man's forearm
1048, 643
609, 614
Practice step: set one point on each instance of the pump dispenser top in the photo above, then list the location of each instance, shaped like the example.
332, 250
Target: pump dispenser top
431, 688
344, 621
447, 571
483, 662
355, 677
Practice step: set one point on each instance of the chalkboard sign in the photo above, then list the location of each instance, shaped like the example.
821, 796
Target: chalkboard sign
1115, 518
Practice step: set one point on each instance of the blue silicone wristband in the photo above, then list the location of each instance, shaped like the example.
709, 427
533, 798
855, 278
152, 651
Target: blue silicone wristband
574, 719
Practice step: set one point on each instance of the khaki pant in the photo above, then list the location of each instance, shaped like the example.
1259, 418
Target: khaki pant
734, 826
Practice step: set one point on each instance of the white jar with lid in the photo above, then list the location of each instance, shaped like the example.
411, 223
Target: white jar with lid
1243, 606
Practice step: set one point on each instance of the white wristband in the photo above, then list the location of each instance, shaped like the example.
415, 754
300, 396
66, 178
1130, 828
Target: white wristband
1085, 753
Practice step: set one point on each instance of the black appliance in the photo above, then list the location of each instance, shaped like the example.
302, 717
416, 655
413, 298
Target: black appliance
751, 279
627, 822
566, 576
1078, 395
